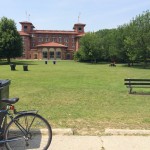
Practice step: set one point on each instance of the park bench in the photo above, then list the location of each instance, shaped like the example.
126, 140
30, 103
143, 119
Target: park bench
136, 83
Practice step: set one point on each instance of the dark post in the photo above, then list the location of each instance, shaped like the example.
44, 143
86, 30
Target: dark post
25, 67
12, 67
54, 62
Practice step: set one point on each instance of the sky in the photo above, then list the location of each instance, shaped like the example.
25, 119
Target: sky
63, 14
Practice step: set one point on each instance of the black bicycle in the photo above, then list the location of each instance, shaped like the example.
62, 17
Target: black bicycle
25, 130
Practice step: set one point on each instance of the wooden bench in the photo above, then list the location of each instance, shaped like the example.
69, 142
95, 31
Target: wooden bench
136, 83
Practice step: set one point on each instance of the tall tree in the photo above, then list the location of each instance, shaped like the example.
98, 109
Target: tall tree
90, 49
130, 43
143, 35
10, 40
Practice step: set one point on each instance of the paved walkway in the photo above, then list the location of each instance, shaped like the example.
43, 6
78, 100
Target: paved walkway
71, 142
100, 143
116, 140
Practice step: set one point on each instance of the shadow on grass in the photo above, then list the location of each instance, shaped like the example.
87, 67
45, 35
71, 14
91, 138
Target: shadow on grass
141, 93
137, 66
93, 63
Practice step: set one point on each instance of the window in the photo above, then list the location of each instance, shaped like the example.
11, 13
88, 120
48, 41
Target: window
66, 39
53, 39
60, 40
40, 39
58, 54
51, 55
45, 55
25, 28
46, 40
80, 29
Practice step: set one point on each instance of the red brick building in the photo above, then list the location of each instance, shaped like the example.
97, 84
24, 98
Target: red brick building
50, 44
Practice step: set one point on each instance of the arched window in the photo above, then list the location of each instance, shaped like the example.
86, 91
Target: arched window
58, 53
45, 52
51, 53
45, 55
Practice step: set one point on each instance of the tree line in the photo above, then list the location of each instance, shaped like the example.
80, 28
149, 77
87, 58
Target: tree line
128, 43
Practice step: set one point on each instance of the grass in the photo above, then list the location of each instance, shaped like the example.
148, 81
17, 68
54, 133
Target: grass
85, 97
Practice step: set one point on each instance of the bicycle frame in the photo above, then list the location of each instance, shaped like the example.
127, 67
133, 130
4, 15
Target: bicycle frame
3, 119
3, 124
20, 127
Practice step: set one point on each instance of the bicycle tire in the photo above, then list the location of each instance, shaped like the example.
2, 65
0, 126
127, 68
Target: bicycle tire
38, 138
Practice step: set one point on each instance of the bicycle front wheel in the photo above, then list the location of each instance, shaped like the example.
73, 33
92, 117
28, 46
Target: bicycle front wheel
29, 131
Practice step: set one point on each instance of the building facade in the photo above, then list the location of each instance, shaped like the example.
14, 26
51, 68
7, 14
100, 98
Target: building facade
50, 44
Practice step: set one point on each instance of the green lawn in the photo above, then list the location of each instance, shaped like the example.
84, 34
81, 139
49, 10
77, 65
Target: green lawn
85, 97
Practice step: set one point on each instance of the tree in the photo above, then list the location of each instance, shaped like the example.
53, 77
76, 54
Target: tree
104, 42
110, 51
90, 49
10, 40
130, 50
143, 33
130, 43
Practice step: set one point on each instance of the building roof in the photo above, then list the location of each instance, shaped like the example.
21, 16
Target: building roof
80, 24
80, 35
26, 22
23, 33
51, 44
54, 32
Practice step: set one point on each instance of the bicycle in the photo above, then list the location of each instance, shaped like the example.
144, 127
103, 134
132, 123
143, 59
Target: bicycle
25, 130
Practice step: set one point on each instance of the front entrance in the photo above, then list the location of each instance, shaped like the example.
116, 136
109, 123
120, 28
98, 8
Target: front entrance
51, 55
52, 51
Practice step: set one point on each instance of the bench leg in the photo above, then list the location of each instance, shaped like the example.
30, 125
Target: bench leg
130, 91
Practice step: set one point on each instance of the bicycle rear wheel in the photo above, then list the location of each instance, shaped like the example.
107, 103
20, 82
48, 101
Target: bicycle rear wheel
29, 131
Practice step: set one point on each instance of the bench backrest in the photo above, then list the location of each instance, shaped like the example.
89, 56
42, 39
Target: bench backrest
137, 81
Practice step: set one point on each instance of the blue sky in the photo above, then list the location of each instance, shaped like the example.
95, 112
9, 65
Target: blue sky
62, 14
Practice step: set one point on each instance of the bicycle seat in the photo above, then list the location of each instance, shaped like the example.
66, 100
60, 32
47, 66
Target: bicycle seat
10, 100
